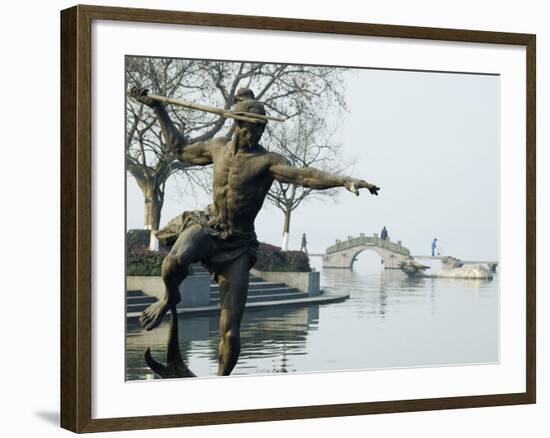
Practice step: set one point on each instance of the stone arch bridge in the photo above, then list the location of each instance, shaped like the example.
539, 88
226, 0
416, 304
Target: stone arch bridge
344, 252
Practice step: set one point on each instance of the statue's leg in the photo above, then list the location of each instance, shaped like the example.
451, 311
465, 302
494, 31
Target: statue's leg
233, 284
192, 245
175, 366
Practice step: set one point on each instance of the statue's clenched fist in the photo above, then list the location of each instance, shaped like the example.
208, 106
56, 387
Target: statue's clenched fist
353, 185
141, 95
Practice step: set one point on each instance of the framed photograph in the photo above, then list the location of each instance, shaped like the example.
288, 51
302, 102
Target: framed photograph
218, 265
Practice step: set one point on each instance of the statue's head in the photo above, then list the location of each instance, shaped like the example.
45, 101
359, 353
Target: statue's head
243, 94
248, 133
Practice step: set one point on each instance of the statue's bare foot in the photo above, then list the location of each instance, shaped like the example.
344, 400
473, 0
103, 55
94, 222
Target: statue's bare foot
152, 316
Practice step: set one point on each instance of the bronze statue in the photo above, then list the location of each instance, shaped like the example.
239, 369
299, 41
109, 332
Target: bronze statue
222, 236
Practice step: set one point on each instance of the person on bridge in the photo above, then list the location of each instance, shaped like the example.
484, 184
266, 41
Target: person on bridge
303, 246
384, 234
434, 247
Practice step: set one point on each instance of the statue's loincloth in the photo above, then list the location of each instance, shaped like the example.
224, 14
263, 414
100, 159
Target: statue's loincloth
229, 244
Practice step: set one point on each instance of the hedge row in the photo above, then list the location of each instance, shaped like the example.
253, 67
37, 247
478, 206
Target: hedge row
142, 262
137, 239
271, 258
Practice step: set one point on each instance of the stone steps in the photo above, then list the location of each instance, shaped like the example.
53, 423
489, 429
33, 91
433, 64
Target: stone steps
134, 293
259, 291
130, 308
214, 288
138, 303
140, 299
323, 298
273, 297
254, 285
198, 269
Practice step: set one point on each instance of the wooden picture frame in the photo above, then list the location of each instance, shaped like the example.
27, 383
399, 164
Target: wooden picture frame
76, 217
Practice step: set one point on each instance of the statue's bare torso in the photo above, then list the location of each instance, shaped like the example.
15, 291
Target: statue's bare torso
241, 181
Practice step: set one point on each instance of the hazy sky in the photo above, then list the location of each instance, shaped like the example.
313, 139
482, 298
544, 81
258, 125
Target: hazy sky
429, 140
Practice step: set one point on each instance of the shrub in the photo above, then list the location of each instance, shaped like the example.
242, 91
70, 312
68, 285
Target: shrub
271, 258
140, 261
137, 239
144, 262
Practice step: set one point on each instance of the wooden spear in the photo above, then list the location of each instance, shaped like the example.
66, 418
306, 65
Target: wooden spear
244, 116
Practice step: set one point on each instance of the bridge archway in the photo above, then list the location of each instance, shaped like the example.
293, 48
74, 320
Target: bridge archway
367, 260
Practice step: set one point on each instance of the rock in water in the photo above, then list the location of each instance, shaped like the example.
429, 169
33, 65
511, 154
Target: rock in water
469, 272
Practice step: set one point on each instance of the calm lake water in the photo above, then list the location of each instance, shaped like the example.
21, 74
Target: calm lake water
389, 321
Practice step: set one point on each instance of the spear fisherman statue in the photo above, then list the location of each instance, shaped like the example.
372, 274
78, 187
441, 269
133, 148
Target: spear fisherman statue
222, 236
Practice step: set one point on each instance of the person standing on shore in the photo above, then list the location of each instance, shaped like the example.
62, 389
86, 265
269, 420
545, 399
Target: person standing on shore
434, 247
303, 246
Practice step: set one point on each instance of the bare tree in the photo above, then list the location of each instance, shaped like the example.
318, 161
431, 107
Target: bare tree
148, 159
286, 90
305, 142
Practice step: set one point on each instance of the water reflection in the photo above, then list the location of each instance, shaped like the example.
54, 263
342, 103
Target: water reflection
389, 321
268, 338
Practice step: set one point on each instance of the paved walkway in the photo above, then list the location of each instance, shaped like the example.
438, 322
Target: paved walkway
323, 298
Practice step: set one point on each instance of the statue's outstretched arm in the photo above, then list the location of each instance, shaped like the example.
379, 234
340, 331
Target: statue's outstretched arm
317, 179
194, 153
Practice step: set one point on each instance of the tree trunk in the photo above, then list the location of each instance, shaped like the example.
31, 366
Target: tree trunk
147, 212
156, 208
288, 210
154, 199
286, 230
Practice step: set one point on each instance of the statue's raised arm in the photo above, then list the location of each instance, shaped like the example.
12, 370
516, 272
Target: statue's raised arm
198, 153
314, 178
